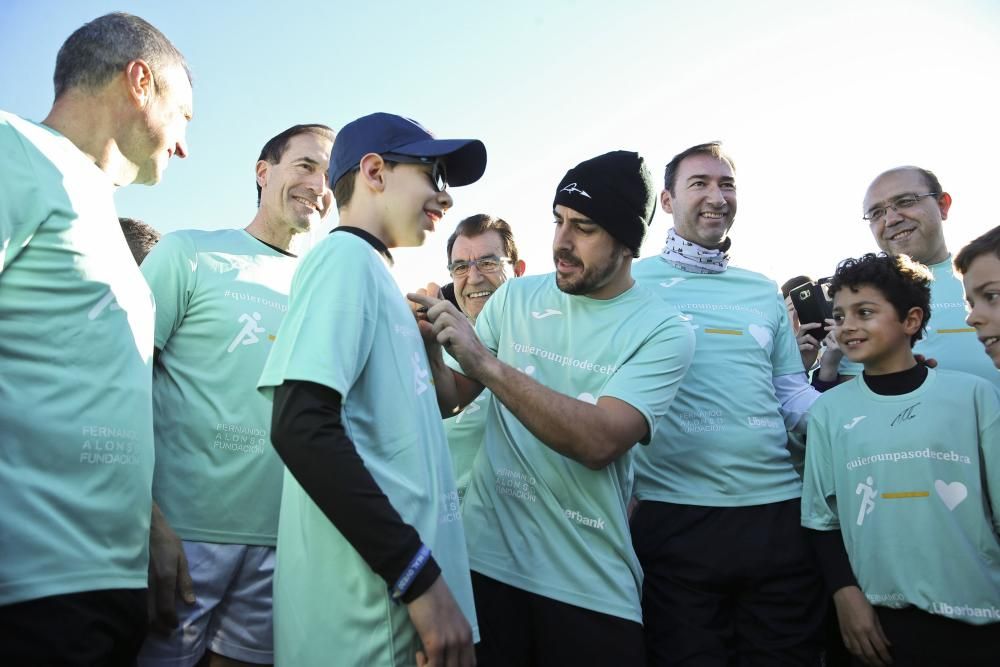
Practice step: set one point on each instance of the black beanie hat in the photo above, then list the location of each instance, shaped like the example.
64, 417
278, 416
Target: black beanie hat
615, 190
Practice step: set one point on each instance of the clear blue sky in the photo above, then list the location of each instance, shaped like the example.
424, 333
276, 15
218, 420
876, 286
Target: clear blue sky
812, 99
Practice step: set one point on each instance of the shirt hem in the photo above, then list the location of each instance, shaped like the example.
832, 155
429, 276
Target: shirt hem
214, 537
76, 582
718, 501
539, 588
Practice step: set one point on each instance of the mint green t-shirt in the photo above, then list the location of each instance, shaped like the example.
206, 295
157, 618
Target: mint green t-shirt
948, 338
912, 481
348, 327
220, 298
723, 443
76, 346
538, 520
465, 439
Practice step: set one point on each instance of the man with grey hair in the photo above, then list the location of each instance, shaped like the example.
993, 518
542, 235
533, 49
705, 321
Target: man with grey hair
482, 256
76, 348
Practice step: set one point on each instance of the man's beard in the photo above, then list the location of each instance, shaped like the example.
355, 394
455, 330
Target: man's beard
592, 278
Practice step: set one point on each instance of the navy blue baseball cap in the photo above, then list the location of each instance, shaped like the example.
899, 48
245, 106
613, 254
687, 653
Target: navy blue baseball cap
386, 133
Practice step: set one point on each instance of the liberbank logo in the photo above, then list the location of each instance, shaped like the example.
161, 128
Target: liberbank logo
574, 515
956, 610
764, 422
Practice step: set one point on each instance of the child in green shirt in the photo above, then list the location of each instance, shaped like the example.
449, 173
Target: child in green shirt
979, 264
902, 464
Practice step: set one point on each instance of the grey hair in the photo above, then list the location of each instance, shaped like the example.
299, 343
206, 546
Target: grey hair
140, 237
99, 50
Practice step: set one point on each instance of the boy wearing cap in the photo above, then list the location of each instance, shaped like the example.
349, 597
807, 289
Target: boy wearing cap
582, 363
372, 566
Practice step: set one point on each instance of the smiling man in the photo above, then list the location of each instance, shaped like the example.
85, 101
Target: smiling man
906, 208
372, 566
582, 363
729, 574
220, 297
481, 257
76, 325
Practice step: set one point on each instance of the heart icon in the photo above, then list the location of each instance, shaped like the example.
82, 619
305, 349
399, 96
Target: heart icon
587, 397
951, 494
761, 335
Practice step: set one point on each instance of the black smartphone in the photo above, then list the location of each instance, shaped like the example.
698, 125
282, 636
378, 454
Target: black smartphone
448, 292
811, 302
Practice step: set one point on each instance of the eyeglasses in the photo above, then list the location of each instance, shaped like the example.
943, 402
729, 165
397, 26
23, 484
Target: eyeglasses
438, 173
488, 264
899, 203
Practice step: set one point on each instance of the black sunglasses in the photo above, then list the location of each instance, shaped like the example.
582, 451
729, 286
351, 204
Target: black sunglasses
438, 173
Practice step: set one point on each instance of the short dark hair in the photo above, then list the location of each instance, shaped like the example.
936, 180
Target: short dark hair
903, 282
712, 149
140, 236
276, 146
983, 245
933, 184
99, 50
792, 283
476, 225
343, 189
929, 177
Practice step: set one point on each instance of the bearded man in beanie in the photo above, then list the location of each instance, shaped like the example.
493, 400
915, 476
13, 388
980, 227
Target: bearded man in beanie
730, 578
583, 362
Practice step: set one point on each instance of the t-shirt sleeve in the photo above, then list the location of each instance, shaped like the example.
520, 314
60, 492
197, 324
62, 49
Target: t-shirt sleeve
988, 406
650, 378
785, 357
21, 202
819, 496
327, 335
171, 271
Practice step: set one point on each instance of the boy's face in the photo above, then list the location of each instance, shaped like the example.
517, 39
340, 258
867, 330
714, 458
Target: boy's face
412, 206
868, 330
982, 291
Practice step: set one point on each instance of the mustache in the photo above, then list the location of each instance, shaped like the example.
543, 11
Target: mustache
567, 257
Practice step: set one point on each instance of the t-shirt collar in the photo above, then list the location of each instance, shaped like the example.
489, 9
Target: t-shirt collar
373, 240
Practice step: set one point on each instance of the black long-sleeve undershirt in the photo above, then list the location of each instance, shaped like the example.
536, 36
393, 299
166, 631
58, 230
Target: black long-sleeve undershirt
308, 434
829, 544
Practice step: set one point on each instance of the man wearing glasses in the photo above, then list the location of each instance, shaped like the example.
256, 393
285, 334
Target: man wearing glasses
481, 257
905, 208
